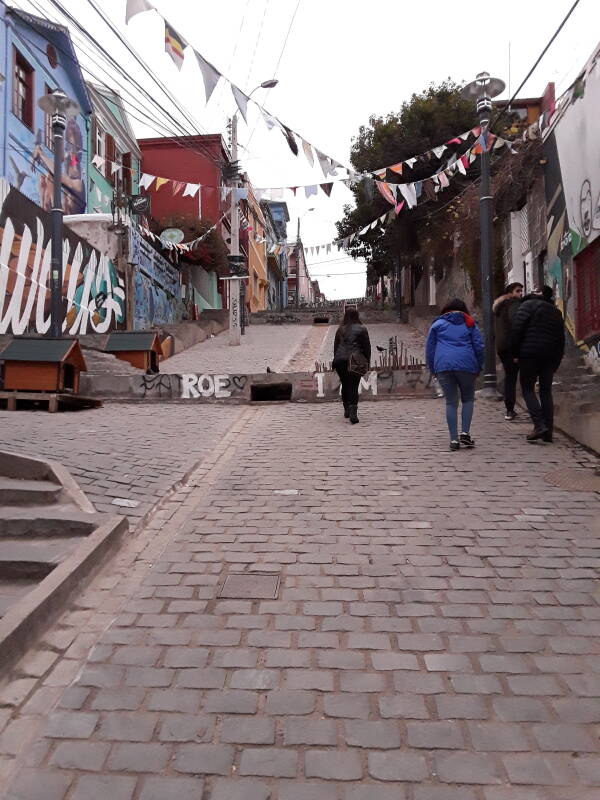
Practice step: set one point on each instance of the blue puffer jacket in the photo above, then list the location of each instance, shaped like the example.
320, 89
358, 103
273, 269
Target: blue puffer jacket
454, 343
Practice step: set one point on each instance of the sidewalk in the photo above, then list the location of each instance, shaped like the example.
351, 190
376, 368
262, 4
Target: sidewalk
434, 635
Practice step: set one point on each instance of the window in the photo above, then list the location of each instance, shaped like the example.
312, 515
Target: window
22, 89
48, 139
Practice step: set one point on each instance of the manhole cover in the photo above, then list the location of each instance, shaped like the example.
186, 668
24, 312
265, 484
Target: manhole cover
574, 480
250, 587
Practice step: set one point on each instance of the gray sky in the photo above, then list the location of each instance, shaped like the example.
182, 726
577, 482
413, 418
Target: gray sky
343, 62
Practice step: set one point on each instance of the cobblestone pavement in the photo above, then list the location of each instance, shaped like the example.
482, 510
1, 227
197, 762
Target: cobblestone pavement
129, 452
262, 346
434, 635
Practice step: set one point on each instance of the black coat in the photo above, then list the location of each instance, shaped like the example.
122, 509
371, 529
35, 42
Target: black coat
505, 308
350, 339
538, 331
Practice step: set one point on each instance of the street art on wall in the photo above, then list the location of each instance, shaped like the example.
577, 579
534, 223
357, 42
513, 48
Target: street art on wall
156, 285
93, 292
31, 166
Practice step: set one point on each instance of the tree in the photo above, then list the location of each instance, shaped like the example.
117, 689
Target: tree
427, 120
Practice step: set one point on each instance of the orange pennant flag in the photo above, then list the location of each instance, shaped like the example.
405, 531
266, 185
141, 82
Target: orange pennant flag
397, 168
161, 182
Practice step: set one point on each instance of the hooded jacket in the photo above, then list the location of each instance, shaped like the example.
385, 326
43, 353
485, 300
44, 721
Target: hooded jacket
454, 344
539, 331
505, 307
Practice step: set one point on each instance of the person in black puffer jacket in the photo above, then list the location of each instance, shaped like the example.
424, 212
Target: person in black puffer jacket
538, 344
505, 307
350, 337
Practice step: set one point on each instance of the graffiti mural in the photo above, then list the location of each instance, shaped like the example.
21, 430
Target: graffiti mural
157, 286
93, 292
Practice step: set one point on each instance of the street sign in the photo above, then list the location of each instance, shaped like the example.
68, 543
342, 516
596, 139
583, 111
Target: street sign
139, 204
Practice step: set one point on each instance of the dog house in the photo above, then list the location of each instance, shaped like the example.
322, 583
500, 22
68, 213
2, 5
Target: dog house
33, 364
141, 350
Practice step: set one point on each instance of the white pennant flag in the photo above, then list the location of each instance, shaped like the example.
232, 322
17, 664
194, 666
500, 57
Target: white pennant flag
364, 230
98, 162
191, 189
270, 121
409, 193
410, 162
146, 181
210, 75
374, 224
307, 147
136, 7
114, 167
328, 249
461, 167
242, 101
324, 161
308, 190
439, 151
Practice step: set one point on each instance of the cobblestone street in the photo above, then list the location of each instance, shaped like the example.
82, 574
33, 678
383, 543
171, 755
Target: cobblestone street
433, 634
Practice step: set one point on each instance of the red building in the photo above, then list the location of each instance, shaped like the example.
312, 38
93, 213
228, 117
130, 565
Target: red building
184, 160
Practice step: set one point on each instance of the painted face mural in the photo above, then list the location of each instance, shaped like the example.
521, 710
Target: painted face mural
93, 292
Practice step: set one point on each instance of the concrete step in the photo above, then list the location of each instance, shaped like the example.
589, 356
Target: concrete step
32, 558
99, 363
58, 520
17, 492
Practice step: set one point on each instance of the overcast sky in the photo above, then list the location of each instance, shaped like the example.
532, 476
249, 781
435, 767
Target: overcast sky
343, 61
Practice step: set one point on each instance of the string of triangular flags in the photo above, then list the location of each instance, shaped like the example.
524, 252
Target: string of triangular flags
183, 247
175, 46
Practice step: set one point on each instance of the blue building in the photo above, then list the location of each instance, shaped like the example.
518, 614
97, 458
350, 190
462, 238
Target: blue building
37, 57
277, 216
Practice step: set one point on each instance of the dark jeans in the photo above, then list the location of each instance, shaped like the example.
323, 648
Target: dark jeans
453, 383
541, 411
349, 381
511, 373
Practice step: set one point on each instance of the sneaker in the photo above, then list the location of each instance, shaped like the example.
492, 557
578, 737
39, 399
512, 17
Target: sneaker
510, 415
454, 445
466, 441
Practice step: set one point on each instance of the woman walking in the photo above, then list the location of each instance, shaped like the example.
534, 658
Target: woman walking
454, 353
351, 357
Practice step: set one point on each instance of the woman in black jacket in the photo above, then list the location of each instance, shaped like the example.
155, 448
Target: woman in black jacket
351, 337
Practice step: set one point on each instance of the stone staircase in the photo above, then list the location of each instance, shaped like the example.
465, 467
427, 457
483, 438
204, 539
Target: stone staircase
100, 364
577, 402
44, 519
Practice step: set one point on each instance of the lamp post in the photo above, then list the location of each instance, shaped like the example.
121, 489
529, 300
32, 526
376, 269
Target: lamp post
482, 90
235, 309
59, 107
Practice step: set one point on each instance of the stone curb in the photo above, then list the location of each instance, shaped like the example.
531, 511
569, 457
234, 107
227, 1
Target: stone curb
24, 622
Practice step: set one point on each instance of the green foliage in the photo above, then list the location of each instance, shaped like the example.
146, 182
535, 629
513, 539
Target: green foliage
425, 121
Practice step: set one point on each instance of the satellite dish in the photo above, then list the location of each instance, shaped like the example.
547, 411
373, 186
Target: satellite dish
172, 235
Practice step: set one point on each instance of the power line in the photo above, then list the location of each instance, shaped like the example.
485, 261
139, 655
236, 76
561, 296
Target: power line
534, 67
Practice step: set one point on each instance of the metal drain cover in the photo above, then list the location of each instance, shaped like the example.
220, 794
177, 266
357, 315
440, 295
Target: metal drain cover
250, 587
574, 480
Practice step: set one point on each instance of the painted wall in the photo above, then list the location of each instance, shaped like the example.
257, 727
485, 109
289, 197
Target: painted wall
94, 292
156, 284
27, 161
205, 288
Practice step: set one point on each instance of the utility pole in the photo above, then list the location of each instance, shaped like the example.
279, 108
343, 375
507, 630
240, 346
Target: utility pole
483, 89
235, 310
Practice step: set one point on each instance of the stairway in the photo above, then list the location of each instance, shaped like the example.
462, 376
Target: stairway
101, 364
577, 402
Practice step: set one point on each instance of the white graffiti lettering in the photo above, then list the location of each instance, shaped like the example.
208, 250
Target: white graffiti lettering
369, 383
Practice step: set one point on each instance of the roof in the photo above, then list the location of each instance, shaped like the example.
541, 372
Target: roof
34, 348
124, 342
48, 30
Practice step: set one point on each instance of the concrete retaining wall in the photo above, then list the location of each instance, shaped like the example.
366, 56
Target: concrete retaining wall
301, 387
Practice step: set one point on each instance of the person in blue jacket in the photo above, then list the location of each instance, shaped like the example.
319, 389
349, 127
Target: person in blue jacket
454, 353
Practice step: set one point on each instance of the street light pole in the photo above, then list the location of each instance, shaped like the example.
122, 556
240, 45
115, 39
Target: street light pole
59, 106
483, 89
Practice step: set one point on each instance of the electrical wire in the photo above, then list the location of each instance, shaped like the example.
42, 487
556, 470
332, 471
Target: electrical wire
501, 113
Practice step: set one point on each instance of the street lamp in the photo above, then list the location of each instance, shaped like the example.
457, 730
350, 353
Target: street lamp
235, 306
482, 90
58, 106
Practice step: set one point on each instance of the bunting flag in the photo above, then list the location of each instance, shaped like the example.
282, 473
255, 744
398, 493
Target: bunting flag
289, 136
136, 7
386, 192
310, 190
242, 101
98, 161
161, 182
306, 146
177, 187
191, 189
327, 187
324, 161
174, 45
115, 167
210, 75
270, 121
146, 181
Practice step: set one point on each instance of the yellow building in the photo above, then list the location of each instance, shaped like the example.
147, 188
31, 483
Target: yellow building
257, 283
